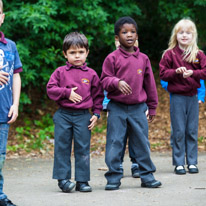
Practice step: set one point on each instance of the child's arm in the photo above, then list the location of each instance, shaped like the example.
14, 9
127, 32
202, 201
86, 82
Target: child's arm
164, 84
108, 78
93, 121
201, 92
97, 97
124, 87
13, 112
149, 86
3, 77
74, 97
200, 73
57, 93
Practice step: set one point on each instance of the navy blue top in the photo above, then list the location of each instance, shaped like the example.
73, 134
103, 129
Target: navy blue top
10, 63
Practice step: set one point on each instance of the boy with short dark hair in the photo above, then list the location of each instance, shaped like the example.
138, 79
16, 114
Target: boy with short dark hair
128, 78
10, 88
76, 88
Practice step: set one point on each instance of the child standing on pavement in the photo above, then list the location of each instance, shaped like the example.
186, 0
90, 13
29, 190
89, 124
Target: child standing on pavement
76, 88
10, 87
134, 166
182, 66
128, 78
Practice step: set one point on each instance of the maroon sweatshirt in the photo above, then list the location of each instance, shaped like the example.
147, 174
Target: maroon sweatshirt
172, 60
135, 69
86, 79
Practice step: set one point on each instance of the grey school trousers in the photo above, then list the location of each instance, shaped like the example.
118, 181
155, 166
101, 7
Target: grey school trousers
72, 125
121, 117
184, 114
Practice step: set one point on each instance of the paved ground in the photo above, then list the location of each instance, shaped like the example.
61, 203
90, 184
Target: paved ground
28, 182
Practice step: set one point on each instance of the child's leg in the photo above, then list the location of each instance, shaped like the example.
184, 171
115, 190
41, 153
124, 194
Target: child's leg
116, 132
124, 148
178, 105
192, 130
4, 129
82, 137
138, 137
63, 134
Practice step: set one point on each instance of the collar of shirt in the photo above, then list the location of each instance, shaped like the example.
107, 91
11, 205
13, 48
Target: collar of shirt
2, 39
70, 66
178, 50
128, 54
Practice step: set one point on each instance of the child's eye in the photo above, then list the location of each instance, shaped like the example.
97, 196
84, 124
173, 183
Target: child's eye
72, 52
81, 52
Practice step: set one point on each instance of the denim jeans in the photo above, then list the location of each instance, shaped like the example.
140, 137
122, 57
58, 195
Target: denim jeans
4, 129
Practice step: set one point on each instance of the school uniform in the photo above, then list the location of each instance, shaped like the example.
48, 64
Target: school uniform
72, 119
184, 108
128, 111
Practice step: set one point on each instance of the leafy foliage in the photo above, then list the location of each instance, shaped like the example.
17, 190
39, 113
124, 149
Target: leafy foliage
39, 26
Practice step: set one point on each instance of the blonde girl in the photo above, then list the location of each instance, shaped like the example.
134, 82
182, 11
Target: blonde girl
182, 66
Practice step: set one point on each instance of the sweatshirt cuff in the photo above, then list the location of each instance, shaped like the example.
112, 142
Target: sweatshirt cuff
67, 93
18, 70
195, 74
152, 111
116, 82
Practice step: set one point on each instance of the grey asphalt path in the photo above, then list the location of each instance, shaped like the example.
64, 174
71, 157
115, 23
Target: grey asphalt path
28, 182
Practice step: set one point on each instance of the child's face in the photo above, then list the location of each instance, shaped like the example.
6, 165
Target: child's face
184, 37
2, 15
127, 37
76, 55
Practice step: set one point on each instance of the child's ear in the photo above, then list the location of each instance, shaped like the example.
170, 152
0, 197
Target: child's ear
116, 38
64, 54
2, 18
116, 41
87, 52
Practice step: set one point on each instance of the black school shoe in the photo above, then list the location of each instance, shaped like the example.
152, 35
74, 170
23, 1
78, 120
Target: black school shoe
112, 186
151, 184
192, 169
83, 187
66, 185
180, 171
6, 202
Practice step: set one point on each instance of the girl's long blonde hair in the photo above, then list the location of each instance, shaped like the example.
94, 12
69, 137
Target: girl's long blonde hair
191, 51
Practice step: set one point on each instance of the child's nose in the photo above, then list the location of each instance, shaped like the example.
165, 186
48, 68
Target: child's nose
129, 34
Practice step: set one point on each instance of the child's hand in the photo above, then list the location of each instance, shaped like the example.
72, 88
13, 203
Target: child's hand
74, 97
124, 87
187, 73
13, 113
3, 77
200, 102
181, 70
150, 118
93, 121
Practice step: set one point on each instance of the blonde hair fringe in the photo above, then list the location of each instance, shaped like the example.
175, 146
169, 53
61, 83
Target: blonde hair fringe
190, 53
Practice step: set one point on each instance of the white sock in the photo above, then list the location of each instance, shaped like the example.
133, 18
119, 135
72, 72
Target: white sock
179, 167
192, 167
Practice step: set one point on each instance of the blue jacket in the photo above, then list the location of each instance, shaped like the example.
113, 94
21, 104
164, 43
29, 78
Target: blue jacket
200, 91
